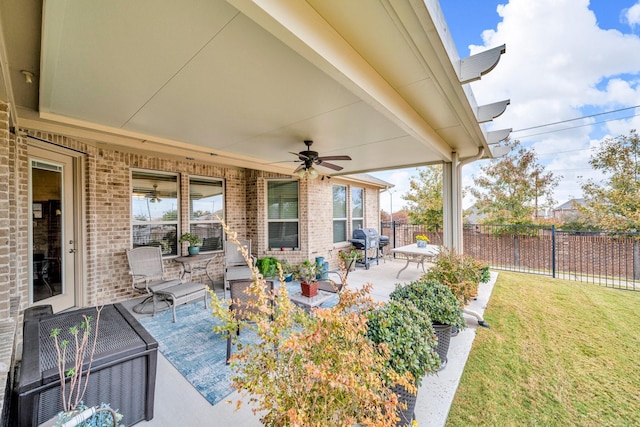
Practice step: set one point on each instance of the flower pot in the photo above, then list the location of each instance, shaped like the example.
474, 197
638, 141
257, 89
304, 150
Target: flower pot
443, 332
309, 289
421, 243
194, 250
409, 399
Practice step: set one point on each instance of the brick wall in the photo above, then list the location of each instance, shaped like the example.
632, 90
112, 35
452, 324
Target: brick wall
106, 214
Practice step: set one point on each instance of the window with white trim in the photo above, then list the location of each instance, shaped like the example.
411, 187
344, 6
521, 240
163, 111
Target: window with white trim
154, 210
283, 215
357, 208
206, 205
339, 213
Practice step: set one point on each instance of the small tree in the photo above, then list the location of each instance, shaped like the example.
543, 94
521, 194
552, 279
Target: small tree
425, 198
312, 369
614, 205
513, 188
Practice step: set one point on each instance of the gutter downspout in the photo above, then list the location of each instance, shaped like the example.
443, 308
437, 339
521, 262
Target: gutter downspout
458, 216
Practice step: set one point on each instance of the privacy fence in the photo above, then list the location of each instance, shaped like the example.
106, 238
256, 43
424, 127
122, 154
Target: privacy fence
607, 259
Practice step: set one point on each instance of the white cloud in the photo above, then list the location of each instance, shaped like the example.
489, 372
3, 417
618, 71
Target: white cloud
632, 15
560, 65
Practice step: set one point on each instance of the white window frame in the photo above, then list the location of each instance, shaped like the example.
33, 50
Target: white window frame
270, 221
137, 192
211, 220
351, 206
343, 220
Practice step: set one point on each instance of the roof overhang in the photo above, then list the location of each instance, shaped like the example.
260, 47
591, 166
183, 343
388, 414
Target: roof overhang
244, 82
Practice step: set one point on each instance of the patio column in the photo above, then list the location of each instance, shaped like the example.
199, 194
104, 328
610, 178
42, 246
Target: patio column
452, 204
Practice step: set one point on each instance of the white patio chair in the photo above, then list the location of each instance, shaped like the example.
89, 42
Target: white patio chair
147, 273
235, 266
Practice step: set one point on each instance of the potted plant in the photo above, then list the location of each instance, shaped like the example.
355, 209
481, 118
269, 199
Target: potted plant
306, 272
461, 273
439, 303
267, 266
409, 340
314, 368
422, 240
348, 257
194, 242
75, 350
288, 270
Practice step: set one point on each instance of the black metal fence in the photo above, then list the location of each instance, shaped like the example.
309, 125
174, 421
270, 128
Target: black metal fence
607, 259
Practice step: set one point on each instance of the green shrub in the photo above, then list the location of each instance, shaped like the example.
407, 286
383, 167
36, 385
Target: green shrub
409, 337
461, 273
433, 298
267, 266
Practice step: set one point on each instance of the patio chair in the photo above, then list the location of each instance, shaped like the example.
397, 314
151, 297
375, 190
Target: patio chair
333, 285
239, 304
235, 266
147, 273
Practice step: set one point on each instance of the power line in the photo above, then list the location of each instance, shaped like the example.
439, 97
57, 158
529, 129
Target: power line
580, 126
577, 118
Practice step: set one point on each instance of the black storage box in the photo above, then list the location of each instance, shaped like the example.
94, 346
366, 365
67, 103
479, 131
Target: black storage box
123, 373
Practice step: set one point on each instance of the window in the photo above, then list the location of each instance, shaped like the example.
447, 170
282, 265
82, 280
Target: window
339, 213
154, 211
282, 214
357, 208
206, 203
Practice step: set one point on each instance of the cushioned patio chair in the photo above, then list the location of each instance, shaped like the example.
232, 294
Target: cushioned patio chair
235, 266
240, 306
147, 273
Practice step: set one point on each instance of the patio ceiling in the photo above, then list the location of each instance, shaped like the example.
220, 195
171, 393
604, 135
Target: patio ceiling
244, 82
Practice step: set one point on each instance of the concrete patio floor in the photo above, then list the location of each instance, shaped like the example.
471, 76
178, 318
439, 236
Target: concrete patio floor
179, 403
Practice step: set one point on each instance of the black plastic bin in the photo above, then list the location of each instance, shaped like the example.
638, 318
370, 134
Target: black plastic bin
123, 373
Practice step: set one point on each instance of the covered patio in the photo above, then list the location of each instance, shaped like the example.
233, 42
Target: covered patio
178, 402
107, 108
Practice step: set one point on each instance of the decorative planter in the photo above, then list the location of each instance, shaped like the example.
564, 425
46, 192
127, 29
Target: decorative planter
421, 243
443, 332
309, 289
405, 415
194, 250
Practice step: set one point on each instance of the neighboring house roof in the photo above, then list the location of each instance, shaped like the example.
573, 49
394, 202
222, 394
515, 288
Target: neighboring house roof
570, 204
244, 83
369, 179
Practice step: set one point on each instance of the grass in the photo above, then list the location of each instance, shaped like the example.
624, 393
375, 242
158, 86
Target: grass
558, 353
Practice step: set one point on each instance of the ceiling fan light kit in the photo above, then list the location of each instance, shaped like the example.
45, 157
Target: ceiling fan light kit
310, 158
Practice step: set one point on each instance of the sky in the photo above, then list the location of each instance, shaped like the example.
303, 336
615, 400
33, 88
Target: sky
564, 60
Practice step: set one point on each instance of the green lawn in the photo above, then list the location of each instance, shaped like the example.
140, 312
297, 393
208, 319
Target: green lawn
559, 353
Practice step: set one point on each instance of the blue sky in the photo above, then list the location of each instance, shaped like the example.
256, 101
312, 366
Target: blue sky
565, 59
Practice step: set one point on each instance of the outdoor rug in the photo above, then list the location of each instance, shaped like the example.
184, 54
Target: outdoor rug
194, 349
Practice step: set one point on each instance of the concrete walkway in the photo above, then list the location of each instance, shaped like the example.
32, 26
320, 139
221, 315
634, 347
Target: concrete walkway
178, 403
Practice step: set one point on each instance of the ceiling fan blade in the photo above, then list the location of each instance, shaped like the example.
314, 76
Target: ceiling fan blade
299, 155
329, 165
334, 158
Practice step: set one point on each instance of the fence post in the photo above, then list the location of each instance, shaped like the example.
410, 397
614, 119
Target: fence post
636, 258
553, 251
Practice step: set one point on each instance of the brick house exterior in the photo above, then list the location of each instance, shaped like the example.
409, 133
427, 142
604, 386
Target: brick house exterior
106, 217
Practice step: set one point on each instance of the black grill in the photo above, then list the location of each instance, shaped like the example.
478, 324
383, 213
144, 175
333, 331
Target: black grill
370, 242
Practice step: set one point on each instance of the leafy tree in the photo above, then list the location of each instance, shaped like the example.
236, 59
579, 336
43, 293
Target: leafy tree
614, 205
513, 188
170, 215
425, 198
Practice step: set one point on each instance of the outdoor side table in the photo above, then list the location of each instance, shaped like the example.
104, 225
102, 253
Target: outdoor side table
191, 263
309, 302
